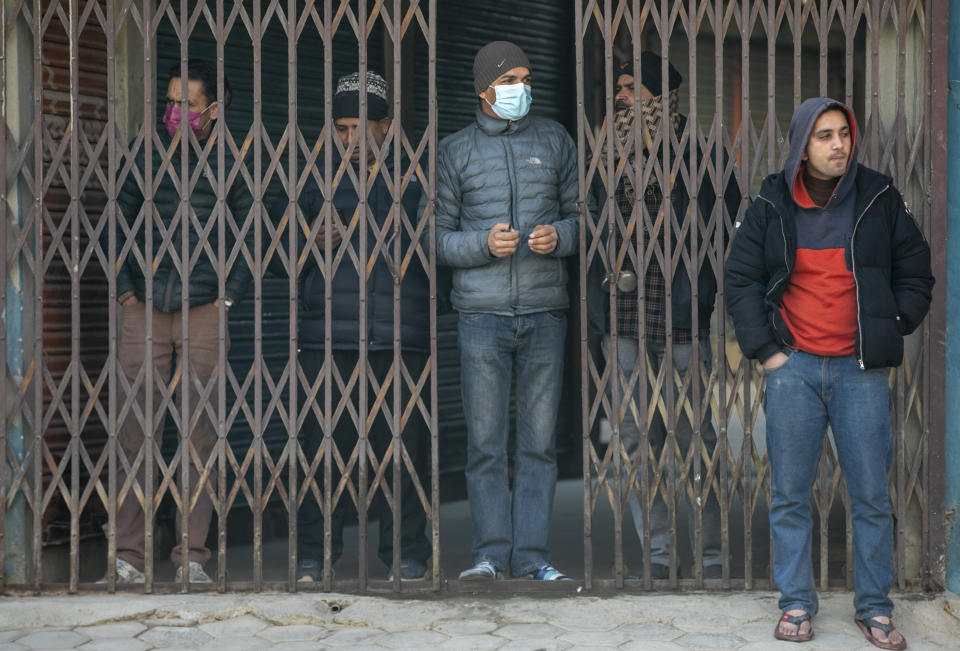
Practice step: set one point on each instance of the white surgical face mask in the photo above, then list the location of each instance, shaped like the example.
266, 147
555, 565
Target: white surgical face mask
513, 101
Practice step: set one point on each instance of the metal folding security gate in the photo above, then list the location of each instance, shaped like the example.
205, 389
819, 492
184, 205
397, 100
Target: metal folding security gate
746, 66
81, 110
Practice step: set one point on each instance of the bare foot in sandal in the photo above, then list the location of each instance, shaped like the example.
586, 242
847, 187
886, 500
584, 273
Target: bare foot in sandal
794, 626
880, 632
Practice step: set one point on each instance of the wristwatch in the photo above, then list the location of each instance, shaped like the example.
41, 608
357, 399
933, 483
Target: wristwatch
228, 302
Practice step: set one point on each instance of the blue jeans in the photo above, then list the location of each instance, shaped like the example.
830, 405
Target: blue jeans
802, 396
628, 353
511, 533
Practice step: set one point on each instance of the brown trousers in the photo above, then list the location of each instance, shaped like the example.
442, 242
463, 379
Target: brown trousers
203, 355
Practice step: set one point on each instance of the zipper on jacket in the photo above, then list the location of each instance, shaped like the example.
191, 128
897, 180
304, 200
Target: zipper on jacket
511, 178
168, 291
856, 282
786, 257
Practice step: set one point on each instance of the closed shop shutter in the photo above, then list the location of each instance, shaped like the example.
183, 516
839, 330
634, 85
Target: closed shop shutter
57, 305
544, 29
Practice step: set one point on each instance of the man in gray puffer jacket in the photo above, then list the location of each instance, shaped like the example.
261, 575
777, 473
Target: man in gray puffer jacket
506, 216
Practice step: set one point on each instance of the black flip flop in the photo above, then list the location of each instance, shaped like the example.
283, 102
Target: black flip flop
796, 620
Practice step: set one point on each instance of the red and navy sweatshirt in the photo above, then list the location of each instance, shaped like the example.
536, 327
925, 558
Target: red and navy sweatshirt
819, 304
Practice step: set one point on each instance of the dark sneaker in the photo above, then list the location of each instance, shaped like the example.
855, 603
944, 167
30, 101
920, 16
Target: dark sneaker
549, 573
309, 570
658, 571
482, 571
410, 570
713, 572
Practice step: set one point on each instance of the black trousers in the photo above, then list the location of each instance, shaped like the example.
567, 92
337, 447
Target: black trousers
414, 543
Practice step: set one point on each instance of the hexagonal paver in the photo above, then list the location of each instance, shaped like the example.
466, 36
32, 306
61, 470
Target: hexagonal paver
113, 629
651, 631
115, 644
473, 642
465, 626
412, 639
535, 645
707, 641
295, 633
529, 631
294, 646
596, 638
52, 640
175, 636
843, 641
243, 626
647, 645
234, 644
352, 637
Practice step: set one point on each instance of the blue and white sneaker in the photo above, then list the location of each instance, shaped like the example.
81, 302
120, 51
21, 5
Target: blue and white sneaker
549, 573
482, 571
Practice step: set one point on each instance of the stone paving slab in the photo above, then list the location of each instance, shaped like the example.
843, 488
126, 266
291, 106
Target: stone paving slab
285, 622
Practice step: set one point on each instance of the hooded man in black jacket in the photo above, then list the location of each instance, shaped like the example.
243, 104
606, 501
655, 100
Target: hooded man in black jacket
357, 317
827, 273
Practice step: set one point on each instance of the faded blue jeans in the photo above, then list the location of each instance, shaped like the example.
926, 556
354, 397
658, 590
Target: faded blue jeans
511, 533
628, 353
802, 395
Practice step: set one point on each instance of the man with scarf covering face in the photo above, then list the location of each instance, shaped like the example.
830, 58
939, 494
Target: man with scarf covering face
630, 348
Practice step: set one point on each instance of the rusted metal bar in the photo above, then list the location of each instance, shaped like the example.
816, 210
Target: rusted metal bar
183, 221
329, 215
293, 267
74, 270
697, 498
6, 417
934, 328
585, 420
363, 219
220, 132
616, 442
432, 274
147, 369
396, 218
644, 248
259, 418
113, 364
901, 501
37, 363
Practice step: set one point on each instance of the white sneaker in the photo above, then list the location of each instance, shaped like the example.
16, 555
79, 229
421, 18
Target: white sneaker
127, 574
197, 575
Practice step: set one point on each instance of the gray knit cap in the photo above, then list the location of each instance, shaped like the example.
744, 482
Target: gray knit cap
493, 60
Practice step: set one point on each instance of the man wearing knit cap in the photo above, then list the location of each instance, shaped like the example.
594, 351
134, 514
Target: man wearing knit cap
827, 274
346, 216
506, 217
631, 351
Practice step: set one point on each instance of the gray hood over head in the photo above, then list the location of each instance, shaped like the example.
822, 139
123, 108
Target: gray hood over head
800, 127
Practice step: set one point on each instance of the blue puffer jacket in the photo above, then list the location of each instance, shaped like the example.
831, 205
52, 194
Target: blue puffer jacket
520, 172
345, 303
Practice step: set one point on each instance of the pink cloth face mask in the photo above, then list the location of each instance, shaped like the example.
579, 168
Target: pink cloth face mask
173, 116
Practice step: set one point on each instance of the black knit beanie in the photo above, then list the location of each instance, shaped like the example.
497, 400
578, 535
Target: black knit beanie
650, 73
493, 60
346, 100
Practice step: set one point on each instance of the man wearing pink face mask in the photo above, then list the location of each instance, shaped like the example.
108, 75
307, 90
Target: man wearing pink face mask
161, 294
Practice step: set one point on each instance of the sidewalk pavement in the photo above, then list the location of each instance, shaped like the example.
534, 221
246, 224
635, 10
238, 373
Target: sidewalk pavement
285, 622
